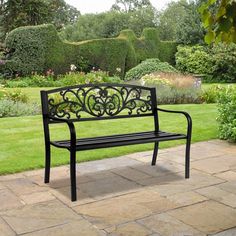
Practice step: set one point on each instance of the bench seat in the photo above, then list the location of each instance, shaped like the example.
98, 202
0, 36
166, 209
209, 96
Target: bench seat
119, 140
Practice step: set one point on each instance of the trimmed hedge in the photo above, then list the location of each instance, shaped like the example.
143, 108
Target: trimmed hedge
39, 48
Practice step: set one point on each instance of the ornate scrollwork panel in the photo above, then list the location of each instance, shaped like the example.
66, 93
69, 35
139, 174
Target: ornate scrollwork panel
100, 101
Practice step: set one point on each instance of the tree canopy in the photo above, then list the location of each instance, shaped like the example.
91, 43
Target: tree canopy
219, 18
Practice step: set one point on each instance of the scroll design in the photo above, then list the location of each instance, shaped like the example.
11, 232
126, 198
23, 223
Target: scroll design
100, 101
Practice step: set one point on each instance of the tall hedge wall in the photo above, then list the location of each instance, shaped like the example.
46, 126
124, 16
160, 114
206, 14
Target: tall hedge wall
38, 48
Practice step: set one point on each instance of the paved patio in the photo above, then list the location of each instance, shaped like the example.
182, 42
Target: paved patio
126, 196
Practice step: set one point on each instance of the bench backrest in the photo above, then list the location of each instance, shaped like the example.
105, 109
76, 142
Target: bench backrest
100, 101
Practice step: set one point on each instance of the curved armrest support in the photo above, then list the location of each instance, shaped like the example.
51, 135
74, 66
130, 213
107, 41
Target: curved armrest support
71, 128
188, 117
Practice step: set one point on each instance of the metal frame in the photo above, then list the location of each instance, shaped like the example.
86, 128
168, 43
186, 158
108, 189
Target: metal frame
75, 144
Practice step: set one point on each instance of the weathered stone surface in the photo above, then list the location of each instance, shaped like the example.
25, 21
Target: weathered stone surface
5, 230
125, 208
128, 229
228, 175
208, 217
162, 168
64, 195
230, 232
219, 195
75, 228
216, 164
186, 198
131, 174
228, 186
106, 164
8, 200
37, 197
109, 187
38, 216
167, 225
23, 186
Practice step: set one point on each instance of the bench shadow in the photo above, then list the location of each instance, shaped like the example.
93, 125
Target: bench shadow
115, 182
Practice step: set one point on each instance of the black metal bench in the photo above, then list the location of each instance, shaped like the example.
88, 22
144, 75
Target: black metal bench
99, 102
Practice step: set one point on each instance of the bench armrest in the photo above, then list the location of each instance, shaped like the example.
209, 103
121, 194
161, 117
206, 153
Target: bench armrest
188, 117
71, 129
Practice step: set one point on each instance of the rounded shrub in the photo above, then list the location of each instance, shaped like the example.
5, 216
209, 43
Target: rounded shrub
148, 66
196, 59
224, 62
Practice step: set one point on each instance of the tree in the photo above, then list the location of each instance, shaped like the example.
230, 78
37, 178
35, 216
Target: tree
108, 24
170, 18
221, 22
15, 13
130, 5
190, 29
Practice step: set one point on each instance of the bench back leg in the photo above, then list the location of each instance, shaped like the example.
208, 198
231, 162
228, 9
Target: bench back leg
47, 163
155, 152
73, 174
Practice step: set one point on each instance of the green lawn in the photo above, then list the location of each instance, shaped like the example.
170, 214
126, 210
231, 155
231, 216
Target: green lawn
22, 144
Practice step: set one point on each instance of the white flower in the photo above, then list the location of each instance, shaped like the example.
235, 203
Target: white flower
118, 69
73, 67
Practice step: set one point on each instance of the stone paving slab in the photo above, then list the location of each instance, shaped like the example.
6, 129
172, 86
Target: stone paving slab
126, 196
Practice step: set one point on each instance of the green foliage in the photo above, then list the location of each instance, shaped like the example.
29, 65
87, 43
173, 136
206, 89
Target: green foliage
108, 24
220, 23
167, 51
11, 108
224, 62
227, 114
190, 29
72, 78
39, 49
170, 19
196, 59
217, 63
211, 94
34, 12
148, 66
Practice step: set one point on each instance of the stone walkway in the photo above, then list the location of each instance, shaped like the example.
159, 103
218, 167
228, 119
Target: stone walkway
127, 196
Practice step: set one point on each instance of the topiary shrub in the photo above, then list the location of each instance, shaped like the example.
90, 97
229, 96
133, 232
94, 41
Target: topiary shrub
167, 51
227, 114
148, 66
39, 48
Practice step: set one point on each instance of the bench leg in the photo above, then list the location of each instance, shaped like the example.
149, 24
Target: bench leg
155, 152
187, 158
73, 175
47, 163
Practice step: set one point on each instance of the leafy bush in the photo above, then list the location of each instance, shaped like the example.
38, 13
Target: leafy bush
211, 95
227, 114
169, 91
14, 95
217, 63
224, 63
11, 108
148, 66
196, 59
